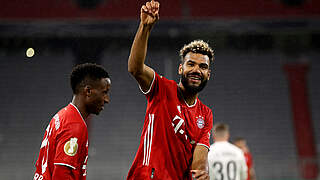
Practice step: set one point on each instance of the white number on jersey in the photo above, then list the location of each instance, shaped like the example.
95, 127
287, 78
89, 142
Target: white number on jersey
45, 144
37, 177
224, 173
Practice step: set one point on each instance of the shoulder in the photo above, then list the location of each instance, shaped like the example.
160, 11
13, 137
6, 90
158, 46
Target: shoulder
215, 146
160, 81
236, 149
204, 107
164, 85
70, 120
165, 80
72, 115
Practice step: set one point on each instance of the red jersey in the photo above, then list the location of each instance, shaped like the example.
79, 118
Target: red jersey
65, 143
249, 162
171, 131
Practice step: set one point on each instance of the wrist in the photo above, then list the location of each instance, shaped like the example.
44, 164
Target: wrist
147, 27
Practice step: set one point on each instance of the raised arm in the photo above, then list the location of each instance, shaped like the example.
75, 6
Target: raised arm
149, 15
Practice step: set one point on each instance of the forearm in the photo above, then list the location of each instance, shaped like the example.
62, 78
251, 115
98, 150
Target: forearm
139, 49
200, 159
199, 164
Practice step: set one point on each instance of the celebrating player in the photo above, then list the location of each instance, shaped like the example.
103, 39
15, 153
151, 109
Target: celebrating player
175, 138
226, 161
64, 149
242, 144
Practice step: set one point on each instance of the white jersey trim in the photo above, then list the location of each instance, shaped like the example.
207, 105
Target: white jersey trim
63, 164
192, 105
147, 142
154, 76
79, 113
200, 144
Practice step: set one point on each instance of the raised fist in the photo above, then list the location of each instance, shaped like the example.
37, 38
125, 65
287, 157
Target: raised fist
150, 13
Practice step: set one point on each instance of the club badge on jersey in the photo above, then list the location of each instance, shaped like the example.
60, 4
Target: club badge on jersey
200, 122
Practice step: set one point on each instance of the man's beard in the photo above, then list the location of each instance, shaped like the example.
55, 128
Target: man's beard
190, 88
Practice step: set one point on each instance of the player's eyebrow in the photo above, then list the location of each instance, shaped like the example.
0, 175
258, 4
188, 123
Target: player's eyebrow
191, 61
200, 64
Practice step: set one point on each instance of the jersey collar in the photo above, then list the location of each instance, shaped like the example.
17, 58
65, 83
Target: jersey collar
79, 113
192, 105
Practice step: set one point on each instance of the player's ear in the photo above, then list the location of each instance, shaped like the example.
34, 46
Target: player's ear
87, 90
180, 70
209, 74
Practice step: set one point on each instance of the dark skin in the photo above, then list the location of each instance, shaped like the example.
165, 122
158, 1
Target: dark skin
194, 63
92, 97
195, 66
89, 100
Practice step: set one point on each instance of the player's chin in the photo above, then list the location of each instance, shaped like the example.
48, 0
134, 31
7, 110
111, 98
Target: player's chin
97, 112
194, 85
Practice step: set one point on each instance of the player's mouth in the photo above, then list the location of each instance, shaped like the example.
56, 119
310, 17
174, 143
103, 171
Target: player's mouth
195, 78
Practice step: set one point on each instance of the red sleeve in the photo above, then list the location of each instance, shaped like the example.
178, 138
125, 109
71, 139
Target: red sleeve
154, 87
70, 142
158, 87
205, 134
62, 172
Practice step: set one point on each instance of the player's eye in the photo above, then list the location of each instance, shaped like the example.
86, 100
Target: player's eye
190, 64
204, 66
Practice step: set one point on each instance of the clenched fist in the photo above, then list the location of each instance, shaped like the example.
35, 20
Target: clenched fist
150, 13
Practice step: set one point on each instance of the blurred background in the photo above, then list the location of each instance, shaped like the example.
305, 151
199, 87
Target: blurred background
266, 77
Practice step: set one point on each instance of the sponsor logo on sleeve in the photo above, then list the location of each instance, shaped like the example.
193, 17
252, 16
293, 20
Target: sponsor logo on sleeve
71, 147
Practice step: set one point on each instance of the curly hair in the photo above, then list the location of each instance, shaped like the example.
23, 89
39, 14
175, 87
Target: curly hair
197, 46
86, 73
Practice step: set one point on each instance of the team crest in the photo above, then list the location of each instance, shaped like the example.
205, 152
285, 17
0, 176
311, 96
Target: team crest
200, 122
71, 147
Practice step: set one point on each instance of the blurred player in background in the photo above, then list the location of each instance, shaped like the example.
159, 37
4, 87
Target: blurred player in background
226, 161
242, 144
64, 149
175, 137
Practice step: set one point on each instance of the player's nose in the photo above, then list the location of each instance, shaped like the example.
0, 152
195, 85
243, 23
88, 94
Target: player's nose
196, 69
106, 99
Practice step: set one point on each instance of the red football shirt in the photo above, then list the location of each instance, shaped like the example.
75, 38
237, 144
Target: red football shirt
65, 143
171, 131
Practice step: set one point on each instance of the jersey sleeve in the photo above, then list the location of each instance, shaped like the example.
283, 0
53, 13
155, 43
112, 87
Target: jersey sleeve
205, 134
62, 172
70, 144
157, 87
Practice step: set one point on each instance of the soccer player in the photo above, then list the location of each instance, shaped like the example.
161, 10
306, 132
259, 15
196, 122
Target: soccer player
242, 144
226, 161
64, 149
175, 137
